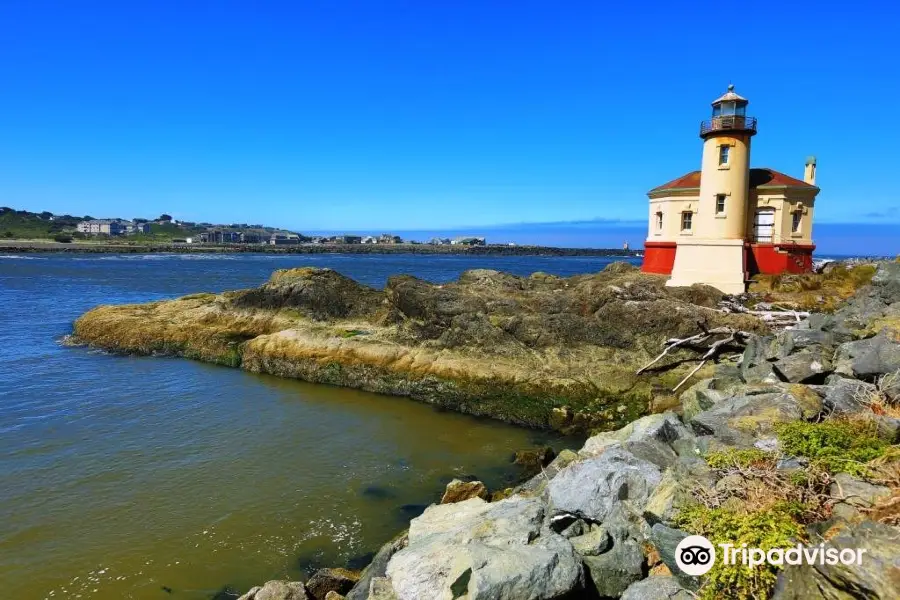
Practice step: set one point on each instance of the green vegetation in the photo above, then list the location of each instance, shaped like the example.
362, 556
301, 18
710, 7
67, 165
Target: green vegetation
742, 458
821, 292
834, 445
21, 224
772, 527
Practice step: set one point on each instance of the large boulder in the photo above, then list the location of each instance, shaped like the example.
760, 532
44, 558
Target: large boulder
877, 576
808, 366
616, 569
494, 550
592, 488
741, 420
756, 361
843, 395
278, 590
869, 358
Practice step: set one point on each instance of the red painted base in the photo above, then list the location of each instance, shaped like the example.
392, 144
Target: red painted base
768, 259
659, 257
772, 259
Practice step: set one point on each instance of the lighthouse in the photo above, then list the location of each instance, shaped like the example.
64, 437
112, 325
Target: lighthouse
728, 221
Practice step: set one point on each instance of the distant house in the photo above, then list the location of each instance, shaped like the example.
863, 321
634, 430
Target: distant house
369, 239
347, 239
278, 239
468, 241
250, 238
439, 241
138, 228
387, 238
102, 226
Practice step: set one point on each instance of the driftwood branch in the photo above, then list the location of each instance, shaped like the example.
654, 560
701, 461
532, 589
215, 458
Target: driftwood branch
697, 342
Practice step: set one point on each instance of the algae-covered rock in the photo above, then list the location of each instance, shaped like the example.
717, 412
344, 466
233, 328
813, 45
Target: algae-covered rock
458, 491
325, 581
318, 293
539, 351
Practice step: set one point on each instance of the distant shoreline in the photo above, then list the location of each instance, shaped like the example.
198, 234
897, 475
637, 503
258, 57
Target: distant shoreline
168, 248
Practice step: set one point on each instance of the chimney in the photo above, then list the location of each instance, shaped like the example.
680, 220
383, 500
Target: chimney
809, 173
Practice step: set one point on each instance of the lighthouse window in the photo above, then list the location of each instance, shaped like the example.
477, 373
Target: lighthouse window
659, 217
796, 219
686, 220
724, 152
720, 204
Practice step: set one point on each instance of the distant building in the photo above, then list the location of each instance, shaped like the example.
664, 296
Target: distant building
347, 239
279, 239
250, 238
439, 241
468, 241
102, 226
625, 245
369, 239
387, 238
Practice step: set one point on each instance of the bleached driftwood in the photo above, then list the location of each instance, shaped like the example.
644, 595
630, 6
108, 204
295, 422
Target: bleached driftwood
697, 342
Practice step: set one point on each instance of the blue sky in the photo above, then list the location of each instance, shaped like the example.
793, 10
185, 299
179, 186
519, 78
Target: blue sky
425, 115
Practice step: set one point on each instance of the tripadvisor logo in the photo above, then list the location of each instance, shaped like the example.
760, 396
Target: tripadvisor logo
695, 555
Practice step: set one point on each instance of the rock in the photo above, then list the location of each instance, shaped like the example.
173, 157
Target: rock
657, 588
792, 340
377, 568
592, 487
808, 366
380, 588
324, 581
334, 596
665, 428
277, 590
617, 568
494, 550
666, 540
667, 498
620, 266
593, 543
877, 576
458, 490
756, 361
888, 428
846, 396
741, 420
703, 395
856, 492
535, 459
869, 358
319, 293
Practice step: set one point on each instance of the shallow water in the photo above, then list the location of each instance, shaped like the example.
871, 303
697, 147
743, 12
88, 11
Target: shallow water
129, 477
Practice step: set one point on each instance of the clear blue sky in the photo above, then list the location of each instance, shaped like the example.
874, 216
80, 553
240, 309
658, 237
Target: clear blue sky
425, 115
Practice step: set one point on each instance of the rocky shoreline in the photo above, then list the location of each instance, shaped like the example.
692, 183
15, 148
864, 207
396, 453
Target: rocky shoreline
794, 442
171, 248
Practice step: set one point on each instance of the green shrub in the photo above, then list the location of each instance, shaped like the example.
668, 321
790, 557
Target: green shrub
734, 457
773, 527
63, 238
835, 446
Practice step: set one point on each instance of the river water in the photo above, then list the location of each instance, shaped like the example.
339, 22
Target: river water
157, 478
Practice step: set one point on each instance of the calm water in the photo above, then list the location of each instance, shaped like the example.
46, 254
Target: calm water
125, 477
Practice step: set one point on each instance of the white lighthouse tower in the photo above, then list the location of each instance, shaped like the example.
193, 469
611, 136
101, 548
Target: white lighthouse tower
715, 254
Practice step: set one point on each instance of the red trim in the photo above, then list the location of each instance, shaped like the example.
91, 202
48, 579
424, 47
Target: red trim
772, 259
659, 257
